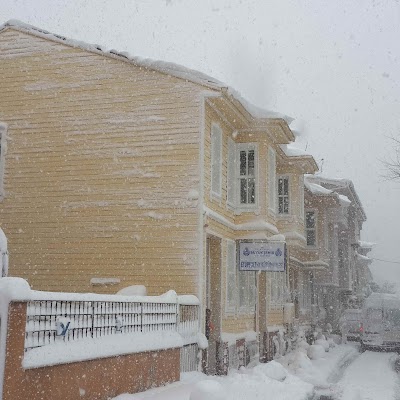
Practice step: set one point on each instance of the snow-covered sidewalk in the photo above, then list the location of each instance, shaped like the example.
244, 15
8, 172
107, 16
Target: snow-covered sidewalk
294, 377
370, 377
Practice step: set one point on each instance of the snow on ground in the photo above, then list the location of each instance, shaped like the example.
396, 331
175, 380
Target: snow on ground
370, 377
320, 372
292, 377
250, 384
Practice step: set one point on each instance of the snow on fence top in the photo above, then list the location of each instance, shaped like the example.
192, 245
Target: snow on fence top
18, 289
169, 68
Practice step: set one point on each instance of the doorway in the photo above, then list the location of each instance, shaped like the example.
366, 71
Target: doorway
213, 301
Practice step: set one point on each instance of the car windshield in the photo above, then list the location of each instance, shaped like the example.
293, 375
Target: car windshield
374, 314
393, 317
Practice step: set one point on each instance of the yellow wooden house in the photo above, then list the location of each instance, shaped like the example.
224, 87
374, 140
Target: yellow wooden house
119, 171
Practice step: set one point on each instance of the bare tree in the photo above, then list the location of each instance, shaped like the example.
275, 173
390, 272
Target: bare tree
392, 165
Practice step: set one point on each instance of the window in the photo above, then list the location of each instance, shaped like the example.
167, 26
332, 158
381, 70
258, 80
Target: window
231, 178
305, 293
283, 195
247, 290
231, 287
3, 130
216, 160
271, 180
301, 197
311, 228
278, 290
247, 175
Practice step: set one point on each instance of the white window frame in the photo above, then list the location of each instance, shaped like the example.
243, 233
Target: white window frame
288, 195
231, 175
216, 161
271, 174
247, 147
231, 268
313, 210
3, 151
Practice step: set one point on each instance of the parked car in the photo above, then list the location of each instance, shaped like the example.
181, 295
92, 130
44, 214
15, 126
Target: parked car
381, 322
350, 324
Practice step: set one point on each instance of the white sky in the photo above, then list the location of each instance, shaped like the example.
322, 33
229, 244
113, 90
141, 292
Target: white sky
334, 65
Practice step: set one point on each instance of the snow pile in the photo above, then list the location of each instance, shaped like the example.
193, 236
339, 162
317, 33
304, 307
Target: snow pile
208, 390
316, 351
133, 290
266, 381
272, 370
294, 377
324, 343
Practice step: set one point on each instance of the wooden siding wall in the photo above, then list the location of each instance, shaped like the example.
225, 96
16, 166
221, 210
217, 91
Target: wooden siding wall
102, 156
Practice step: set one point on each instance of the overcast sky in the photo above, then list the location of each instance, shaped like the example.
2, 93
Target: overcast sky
333, 65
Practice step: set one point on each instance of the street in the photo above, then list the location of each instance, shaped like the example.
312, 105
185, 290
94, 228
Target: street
370, 376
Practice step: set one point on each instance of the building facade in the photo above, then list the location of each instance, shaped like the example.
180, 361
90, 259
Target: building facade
118, 171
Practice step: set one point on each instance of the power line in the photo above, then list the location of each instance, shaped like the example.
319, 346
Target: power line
379, 259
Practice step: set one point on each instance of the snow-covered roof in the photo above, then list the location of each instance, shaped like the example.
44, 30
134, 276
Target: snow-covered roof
344, 200
292, 151
341, 186
366, 245
168, 68
363, 258
316, 189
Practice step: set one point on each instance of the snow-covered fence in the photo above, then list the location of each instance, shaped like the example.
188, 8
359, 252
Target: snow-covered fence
189, 328
50, 321
68, 341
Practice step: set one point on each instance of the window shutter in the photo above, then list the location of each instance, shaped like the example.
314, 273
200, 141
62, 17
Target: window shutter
231, 181
216, 159
271, 180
